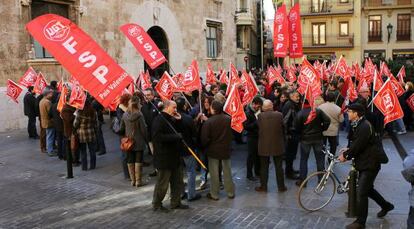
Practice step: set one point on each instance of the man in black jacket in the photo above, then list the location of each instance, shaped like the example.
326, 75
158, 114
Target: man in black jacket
289, 111
29, 103
250, 125
311, 136
363, 149
167, 157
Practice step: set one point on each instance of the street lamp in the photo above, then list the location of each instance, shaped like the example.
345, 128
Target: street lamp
389, 29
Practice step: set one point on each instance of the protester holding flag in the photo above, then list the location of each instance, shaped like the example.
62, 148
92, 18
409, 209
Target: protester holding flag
250, 125
84, 124
271, 144
134, 127
289, 111
29, 105
311, 137
368, 158
58, 125
167, 157
217, 145
46, 120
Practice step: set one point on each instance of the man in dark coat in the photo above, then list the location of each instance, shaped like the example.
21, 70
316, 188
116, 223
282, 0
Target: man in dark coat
216, 137
68, 117
29, 103
311, 136
363, 149
167, 157
100, 141
250, 125
189, 135
58, 124
271, 144
289, 111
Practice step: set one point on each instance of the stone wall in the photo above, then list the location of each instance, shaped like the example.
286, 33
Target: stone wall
184, 22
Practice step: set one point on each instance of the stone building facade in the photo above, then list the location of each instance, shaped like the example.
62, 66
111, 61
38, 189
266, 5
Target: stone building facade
204, 30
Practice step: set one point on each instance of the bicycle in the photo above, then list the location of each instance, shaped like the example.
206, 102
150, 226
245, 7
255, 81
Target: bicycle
311, 193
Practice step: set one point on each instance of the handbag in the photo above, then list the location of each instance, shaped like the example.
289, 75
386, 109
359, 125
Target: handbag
128, 142
116, 125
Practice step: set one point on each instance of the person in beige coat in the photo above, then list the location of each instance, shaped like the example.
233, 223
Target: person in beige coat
333, 111
271, 144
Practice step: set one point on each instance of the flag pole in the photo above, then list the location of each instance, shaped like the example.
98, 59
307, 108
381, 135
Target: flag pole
306, 92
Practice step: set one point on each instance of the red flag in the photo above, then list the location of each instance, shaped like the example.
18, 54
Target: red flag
398, 89
73, 81
377, 81
131, 88
309, 76
95, 70
291, 76
234, 79
210, 77
401, 74
144, 44
192, 81
165, 87
223, 77
341, 68
178, 80
40, 84
363, 84
311, 100
60, 85
145, 80
357, 71
387, 102
250, 88
114, 104
410, 102
77, 97
29, 78
384, 70
234, 108
13, 90
62, 98
281, 32
274, 75
295, 32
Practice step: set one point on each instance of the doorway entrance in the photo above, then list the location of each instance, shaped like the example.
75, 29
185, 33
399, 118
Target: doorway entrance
160, 38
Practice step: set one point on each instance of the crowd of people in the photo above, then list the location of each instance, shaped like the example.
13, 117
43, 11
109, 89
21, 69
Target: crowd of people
169, 130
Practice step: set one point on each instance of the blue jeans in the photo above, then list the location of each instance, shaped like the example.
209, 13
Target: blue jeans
204, 172
84, 157
305, 149
50, 140
190, 164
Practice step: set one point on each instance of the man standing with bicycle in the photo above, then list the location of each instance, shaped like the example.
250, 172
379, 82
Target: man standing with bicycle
364, 150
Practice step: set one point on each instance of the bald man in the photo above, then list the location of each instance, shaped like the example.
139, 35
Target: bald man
167, 157
271, 144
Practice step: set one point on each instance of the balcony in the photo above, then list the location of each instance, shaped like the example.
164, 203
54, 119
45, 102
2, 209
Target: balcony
333, 7
244, 16
386, 4
330, 41
403, 35
375, 36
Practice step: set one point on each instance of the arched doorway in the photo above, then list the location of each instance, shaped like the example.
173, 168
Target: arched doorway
160, 38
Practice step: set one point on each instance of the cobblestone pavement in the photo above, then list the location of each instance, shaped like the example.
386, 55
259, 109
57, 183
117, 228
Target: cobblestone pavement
36, 194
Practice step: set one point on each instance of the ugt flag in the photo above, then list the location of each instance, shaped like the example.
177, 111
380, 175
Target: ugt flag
29, 78
165, 87
387, 102
95, 70
13, 90
234, 108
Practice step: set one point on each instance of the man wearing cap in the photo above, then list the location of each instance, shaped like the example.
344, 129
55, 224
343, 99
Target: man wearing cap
46, 121
362, 148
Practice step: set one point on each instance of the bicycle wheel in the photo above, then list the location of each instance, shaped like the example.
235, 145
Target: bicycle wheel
316, 191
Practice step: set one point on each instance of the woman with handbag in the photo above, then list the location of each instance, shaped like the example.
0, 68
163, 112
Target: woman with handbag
84, 125
135, 139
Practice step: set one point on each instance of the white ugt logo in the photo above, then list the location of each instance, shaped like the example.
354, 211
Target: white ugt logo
387, 101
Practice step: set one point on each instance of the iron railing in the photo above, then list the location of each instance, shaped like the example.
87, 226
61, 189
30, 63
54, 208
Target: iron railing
382, 3
329, 41
326, 7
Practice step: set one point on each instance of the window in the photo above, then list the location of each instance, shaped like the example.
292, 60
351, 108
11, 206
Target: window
374, 28
240, 37
319, 6
404, 27
39, 8
343, 29
243, 5
319, 34
343, 1
213, 38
